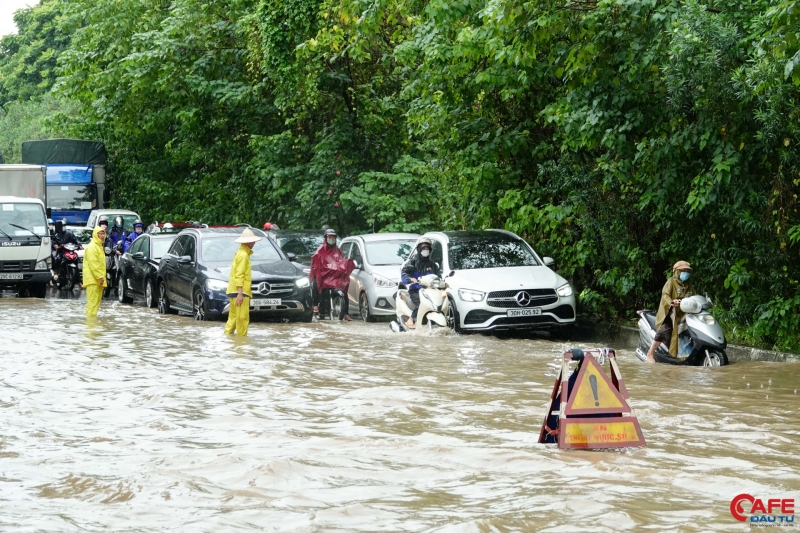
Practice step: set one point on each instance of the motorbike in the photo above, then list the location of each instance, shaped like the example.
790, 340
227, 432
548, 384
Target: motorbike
331, 303
702, 343
433, 306
112, 267
67, 275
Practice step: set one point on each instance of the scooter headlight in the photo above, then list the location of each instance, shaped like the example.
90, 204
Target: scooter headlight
468, 295
564, 291
708, 319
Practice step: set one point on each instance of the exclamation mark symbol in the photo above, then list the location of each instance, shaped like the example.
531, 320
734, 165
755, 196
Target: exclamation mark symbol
593, 383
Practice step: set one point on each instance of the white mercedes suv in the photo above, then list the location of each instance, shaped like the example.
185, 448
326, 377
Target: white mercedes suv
497, 281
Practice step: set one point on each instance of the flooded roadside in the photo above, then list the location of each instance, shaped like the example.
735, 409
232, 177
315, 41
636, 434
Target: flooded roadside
145, 422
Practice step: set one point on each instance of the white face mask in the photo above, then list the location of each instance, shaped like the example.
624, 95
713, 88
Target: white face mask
331, 241
425, 253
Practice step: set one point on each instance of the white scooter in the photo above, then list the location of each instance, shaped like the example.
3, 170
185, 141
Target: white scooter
433, 306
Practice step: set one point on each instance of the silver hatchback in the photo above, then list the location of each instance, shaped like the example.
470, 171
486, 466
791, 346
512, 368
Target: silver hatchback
379, 257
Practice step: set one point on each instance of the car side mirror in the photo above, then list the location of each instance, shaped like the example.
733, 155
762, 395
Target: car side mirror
291, 257
138, 255
548, 261
185, 260
451, 274
357, 265
106, 196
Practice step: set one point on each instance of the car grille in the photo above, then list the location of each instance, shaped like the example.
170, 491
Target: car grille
479, 316
17, 266
273, 288
509, 299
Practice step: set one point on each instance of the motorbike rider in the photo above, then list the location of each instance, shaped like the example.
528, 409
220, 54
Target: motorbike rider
51, 226
138, 229
118, 233
61, 236
670, 319
421, 265
328, 271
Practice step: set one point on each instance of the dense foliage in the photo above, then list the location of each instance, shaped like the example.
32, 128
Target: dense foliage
616, 135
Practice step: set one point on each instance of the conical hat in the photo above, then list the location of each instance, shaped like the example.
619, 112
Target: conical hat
247, 237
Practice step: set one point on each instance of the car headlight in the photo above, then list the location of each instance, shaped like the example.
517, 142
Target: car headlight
468, 295
42, 265
306, 271
708, 319
216, 285
380, 281
564, 291
302, 282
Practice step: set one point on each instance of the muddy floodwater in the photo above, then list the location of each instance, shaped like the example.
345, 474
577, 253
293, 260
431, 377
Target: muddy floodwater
142, 422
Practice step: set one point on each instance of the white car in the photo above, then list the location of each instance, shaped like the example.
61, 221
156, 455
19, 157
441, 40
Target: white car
127, 217
497, 281
373, 283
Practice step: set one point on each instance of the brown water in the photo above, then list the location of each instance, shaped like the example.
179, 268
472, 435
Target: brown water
140, 422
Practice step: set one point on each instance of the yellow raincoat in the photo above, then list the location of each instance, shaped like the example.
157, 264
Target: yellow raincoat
674, 289
94, 270
241, 276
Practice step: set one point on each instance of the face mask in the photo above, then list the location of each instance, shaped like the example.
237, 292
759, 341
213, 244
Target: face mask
425, 253
331, 242
684, 276
139, 231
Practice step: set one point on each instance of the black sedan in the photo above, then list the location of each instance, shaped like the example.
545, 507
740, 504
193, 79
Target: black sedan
302, 243
139, 265
193, 277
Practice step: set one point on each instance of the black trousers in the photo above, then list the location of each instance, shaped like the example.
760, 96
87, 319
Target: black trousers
323, 301
414, 295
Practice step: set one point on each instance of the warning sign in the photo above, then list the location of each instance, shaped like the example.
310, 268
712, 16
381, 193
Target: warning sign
588, 409
594, 393
620, 432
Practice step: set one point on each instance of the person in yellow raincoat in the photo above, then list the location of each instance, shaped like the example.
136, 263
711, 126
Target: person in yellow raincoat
670, 316
94, 270
239, 285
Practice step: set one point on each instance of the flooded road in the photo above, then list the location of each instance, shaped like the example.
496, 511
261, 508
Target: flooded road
142, 422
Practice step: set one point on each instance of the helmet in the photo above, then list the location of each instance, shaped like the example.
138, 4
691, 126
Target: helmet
103, 221
118, 222
49, 221
330, 232
167, 225
691, 305
424, 242
137, 222
269, 225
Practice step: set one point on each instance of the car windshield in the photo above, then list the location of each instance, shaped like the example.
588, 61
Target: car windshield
489, 252
301, 244
30, 216
72, 197
160, 247
127, 221
388, 252
223, 249
84, 236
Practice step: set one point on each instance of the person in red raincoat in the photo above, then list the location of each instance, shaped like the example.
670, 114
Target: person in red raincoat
330, 270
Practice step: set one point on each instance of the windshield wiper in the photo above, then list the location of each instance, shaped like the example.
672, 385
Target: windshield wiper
7, 235
23, 227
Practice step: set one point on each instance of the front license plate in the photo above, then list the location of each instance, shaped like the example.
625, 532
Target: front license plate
265, 301
10, 276
535, 311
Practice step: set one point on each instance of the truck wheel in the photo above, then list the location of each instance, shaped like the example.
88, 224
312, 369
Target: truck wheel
39, 290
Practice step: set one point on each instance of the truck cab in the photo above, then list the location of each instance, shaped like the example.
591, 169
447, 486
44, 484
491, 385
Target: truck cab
24, 246
71, 193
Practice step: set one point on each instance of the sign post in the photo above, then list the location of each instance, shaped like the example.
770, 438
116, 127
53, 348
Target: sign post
589, 410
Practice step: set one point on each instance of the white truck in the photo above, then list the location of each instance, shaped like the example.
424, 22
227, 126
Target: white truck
24, 237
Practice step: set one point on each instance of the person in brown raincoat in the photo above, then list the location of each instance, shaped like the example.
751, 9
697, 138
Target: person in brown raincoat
669, 314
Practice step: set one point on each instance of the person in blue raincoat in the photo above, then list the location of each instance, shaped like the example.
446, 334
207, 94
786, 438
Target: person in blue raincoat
138, 229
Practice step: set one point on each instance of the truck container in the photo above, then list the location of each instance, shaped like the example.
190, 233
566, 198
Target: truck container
23, 181
75, 175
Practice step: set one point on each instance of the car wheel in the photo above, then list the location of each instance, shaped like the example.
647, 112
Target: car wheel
453, 321
199, 311
39, 290
121, 296
363, 308
163, 300
149, 298
308, 317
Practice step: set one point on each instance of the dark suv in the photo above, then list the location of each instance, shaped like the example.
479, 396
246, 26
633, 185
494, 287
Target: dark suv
193, 277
